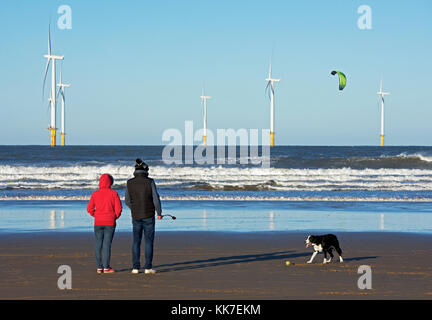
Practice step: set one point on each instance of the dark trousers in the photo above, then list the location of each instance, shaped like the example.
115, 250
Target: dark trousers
148, 227
103, 236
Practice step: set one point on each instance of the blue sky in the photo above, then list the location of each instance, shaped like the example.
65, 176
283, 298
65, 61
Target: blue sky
137, 68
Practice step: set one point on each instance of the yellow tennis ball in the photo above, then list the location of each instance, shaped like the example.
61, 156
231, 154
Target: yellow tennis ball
287, 263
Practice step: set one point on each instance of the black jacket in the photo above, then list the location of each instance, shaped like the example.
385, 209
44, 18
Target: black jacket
141, 196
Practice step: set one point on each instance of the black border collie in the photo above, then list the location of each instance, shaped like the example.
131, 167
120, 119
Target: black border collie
325, 243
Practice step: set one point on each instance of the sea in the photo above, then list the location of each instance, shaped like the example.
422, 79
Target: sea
314, 188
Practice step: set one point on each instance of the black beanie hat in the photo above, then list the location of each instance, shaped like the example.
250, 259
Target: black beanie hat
140, 165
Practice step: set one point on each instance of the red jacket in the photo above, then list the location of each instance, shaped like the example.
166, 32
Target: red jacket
105, 205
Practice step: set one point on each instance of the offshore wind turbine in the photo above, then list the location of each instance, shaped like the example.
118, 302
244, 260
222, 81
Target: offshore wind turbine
61, 91
381, 95
204, 103
50, 57
270, 84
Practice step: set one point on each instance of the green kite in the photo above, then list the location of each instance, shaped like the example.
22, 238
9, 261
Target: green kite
342, 79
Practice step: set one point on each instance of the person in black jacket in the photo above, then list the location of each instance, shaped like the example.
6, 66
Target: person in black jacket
143, 200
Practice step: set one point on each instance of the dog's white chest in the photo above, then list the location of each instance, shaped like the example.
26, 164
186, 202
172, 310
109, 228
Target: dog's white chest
318, 248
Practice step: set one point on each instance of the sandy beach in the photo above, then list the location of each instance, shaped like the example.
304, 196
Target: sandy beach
216, 265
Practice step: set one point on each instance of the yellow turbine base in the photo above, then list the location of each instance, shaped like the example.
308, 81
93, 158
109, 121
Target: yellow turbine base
52, 136
271, 139
382, 141
205, 140
63, 139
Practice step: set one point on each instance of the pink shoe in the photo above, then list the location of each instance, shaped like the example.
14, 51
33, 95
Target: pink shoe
99, 270
109, 270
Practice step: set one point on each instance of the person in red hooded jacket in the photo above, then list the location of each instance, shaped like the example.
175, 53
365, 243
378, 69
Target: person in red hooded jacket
105, 206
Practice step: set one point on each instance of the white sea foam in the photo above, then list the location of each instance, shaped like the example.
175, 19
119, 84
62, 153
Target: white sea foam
229, 198
219, 178
422, 157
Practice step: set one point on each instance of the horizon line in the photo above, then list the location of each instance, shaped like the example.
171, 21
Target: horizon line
196, 145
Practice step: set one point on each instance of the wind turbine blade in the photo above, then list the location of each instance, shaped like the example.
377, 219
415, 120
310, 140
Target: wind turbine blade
270, 69
58, 92
49, 103
267, 86
61, 69
49, 39
46, 72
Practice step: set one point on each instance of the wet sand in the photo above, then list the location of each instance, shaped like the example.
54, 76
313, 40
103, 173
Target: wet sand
215, 265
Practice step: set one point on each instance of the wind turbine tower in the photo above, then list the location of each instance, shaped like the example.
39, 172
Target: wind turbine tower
270, 84
204, 103
381, 95
61, 90
50, 57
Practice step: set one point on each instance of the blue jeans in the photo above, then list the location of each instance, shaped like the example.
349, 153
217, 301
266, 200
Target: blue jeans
103, 236
148, 226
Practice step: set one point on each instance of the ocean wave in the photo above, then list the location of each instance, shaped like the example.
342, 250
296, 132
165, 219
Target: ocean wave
401, 161
218, 178
230, 198
419, 156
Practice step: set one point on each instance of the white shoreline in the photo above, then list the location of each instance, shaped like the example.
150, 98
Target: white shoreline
207, 198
